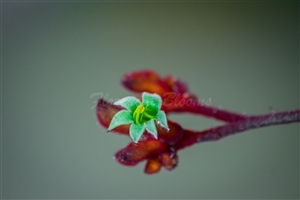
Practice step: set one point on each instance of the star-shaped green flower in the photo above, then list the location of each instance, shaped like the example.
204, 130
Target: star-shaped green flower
140, 115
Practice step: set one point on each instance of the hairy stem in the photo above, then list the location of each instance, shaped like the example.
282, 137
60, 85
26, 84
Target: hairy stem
251, 122
217, 113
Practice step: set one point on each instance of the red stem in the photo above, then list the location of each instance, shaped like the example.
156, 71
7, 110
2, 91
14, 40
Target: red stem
251, 122
216, 113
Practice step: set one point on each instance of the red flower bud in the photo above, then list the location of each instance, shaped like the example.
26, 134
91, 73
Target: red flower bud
152, 166
136, 152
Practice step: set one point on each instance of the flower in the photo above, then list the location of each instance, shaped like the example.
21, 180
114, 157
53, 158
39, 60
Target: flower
158, 153
169, 137
140, 115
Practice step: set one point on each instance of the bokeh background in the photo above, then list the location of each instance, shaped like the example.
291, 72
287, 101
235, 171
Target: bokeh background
243, 56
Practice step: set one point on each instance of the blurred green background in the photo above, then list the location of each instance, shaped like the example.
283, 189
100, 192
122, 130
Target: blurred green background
244, 56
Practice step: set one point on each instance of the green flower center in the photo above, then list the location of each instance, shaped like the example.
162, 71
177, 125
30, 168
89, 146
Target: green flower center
143, 114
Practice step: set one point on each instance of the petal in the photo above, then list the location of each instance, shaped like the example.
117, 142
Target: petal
152, 102
152, 166
145, 80
130, 103
136, 131
168, 160
162, 119
151, 128
105, 112
122, 117
136, 152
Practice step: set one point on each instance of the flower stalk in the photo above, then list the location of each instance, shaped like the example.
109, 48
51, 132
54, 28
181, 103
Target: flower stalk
155, 138
251, 122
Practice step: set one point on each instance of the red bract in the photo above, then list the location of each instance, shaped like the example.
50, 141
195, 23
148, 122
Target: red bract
162, 152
